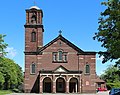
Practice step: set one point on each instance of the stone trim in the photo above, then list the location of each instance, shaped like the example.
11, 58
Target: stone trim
60, 74
93, 58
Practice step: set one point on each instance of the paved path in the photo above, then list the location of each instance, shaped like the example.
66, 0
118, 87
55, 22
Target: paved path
99, 93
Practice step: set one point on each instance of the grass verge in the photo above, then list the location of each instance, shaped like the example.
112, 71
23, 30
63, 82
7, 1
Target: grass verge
4, 92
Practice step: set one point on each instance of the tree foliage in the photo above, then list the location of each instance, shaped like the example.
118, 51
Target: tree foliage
109, 31
112, 76
11, 73
2, 80
3, 45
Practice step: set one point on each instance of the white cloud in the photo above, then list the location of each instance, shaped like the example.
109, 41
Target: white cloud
11, 52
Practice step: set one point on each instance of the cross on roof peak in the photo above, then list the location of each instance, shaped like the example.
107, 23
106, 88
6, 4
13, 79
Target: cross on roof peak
60, 32
34, 3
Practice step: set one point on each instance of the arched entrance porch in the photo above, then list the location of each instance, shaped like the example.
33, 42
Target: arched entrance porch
73, 85
47, 85
60, 85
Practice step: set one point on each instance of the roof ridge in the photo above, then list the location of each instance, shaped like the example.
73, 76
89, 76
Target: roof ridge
64, 40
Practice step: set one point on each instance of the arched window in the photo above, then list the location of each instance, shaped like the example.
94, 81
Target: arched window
60, 55
34, 19
33, 67
33, 36
87, 69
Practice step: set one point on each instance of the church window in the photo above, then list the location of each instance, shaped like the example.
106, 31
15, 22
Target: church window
87, 69
34, 19
33, 36
54, 56
65, 57
60, 44
99, 85
33, 68
60, 55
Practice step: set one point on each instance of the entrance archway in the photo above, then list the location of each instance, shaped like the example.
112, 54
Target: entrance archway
47, 85
60, 85
73, 85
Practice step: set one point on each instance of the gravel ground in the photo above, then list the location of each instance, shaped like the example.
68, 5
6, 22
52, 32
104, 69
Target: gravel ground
99, 93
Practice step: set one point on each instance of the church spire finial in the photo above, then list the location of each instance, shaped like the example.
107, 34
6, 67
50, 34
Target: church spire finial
34, 3
60, 32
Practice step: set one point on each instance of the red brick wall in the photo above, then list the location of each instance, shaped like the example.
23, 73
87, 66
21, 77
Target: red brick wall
45, 61
29, 79
32, 46
88, 83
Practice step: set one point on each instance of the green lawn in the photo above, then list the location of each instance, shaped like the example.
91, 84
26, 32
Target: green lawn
4, 92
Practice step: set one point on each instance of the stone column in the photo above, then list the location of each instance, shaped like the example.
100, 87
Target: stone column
76, 87
54, 85
41, 87
67, 84
80, 84
67, 87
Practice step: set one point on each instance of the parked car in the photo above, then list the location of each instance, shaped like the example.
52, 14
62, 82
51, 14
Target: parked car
102, 89
114, 91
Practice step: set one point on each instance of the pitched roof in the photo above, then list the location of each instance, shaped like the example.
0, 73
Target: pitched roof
98, 80
60, 37
62, 70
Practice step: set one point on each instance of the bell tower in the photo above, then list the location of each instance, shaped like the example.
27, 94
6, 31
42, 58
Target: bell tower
33, 29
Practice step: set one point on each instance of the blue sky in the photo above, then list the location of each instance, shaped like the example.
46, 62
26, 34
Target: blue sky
78, 20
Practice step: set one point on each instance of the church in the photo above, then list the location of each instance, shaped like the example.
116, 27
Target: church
59, 66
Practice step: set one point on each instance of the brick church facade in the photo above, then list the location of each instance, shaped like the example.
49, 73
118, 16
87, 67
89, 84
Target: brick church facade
57, 67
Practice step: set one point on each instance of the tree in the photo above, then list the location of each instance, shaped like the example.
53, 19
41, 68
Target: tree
19, 75
3, 45
1, 80
117, 64
109, 31
12, 73
112, 77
